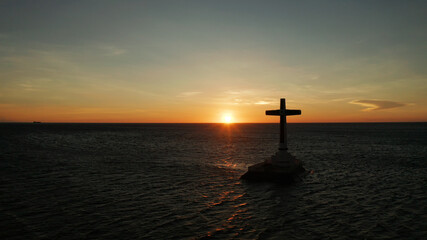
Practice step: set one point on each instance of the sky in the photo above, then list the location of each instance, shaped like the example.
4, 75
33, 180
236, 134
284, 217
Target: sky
204, 61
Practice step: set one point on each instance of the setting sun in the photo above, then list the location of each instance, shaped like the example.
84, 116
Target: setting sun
227, 118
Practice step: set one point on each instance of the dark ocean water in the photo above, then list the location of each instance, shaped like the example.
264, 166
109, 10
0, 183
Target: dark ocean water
181, 181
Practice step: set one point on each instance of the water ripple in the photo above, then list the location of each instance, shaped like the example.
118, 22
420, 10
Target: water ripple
182, 182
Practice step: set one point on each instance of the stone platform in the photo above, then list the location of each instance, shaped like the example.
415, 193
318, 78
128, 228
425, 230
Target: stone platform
281, 168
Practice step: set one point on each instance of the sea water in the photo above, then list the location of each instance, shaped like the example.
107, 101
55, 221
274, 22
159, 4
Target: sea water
181, 181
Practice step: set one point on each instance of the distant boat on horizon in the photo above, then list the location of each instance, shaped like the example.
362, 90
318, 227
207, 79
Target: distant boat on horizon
36, 122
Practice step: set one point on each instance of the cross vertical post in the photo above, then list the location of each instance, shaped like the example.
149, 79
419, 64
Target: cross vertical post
283, 145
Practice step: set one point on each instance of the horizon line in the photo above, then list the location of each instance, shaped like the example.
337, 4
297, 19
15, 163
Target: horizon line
208, 122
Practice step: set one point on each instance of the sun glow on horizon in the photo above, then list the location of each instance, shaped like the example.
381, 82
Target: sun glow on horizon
227, 118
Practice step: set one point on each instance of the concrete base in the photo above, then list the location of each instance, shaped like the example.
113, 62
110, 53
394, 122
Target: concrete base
282, 167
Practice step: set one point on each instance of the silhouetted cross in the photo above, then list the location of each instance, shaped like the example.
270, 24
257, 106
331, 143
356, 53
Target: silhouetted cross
283, 112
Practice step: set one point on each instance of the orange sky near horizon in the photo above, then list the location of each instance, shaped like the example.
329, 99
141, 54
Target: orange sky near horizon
200, 115
168, 62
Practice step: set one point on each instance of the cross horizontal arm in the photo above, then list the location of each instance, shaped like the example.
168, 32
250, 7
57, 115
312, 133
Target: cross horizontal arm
287, 112
273, 112
293, 112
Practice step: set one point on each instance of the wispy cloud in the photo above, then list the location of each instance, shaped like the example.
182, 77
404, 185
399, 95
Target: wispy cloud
28, 87
112, 51
262, 103
240, 92
377, 104
188, 94
249, 97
